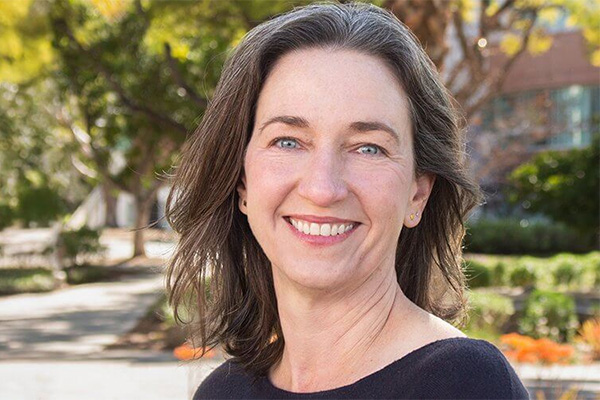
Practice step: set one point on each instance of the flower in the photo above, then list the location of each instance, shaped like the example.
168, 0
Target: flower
589, 334
186, 352
529, 350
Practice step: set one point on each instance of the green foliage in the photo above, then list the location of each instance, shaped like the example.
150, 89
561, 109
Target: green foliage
80, 274
550, 315
78, 244
488, 312
566, 273
478, 275
21, 280
499, 274
582, 270
563, 185
39, 205
508, 236
523, 275
6, 216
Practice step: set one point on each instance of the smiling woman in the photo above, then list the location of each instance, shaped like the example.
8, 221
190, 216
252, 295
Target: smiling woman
325, 193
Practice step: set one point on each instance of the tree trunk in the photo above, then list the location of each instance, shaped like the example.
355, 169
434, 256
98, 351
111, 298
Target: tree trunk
110, 201
143, 207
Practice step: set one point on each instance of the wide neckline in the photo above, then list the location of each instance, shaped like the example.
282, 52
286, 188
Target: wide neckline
396, 363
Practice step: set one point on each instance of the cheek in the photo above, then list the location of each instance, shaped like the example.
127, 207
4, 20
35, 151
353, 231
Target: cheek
383, 191
268, 178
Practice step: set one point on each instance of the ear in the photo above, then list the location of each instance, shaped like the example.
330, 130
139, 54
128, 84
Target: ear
421, 190
242, 194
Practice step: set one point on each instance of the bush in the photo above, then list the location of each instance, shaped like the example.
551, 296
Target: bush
507, 236
563, 185
499, 274
523, 275
21, 280
79, 274
78, 244
596, 269
488, 311
550, 315
6, 216
39, 205
566, 273
478, 275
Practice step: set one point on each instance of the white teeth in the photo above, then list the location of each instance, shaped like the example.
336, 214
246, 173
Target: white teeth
305, 227
314, 229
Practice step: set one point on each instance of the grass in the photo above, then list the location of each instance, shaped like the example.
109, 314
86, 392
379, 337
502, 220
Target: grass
36, 280
26, 280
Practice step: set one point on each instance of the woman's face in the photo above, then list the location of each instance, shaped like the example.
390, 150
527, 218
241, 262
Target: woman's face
328, 175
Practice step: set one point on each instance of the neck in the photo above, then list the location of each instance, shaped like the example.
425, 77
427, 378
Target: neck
330, 338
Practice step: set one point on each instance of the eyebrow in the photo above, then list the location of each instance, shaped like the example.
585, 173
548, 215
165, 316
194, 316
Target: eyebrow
357, 126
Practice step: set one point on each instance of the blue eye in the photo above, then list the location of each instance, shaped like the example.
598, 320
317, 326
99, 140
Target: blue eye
286, 143
369, 149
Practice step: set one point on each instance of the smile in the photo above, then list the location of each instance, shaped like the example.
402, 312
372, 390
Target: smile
322, 229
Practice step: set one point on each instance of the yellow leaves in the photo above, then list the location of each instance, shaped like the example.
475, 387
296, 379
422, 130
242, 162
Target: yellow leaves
549, 15
492, 8
539, 42
467, 9
112, 10
22, 55
180, 51
511, 44
595, 58
592, 35
13, 11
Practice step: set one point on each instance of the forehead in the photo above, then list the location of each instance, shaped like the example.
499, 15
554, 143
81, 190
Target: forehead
333, 86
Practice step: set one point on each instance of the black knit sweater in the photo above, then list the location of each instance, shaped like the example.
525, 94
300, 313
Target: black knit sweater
455, 368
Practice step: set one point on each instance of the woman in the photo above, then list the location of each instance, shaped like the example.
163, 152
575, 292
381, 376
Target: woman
324, 194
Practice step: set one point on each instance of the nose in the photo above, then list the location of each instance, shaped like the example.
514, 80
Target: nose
322, 181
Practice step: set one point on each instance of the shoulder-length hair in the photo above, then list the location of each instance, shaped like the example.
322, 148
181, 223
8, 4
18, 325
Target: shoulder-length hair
218, 263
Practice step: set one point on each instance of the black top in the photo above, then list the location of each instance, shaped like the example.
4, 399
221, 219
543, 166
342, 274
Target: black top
454, 368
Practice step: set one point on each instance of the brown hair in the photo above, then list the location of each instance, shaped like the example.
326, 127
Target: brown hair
239, 309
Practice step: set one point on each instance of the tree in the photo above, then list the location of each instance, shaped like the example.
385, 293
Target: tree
129, 77
487, 29
563, 185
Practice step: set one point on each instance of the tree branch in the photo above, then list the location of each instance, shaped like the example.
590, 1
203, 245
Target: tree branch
163, 120
497, 83
202, 102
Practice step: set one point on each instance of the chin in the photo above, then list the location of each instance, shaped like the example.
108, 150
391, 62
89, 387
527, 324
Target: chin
322, 276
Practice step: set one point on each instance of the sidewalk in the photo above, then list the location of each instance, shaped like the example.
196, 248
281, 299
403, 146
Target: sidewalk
52, 344
76, 321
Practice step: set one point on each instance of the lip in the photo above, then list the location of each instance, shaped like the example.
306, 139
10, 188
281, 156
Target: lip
317, 240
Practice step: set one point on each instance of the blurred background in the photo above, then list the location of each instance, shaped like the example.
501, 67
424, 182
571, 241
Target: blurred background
98, 96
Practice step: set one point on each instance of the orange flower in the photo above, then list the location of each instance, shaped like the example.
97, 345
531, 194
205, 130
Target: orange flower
186, 352
528, 350
589, 334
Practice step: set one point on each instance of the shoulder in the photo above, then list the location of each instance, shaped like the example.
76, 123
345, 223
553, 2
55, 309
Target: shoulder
228, 381
468, 368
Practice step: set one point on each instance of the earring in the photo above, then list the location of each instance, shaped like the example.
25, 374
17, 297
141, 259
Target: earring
412, 216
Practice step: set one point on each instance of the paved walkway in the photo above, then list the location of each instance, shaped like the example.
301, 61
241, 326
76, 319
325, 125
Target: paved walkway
52, 345
76, 321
